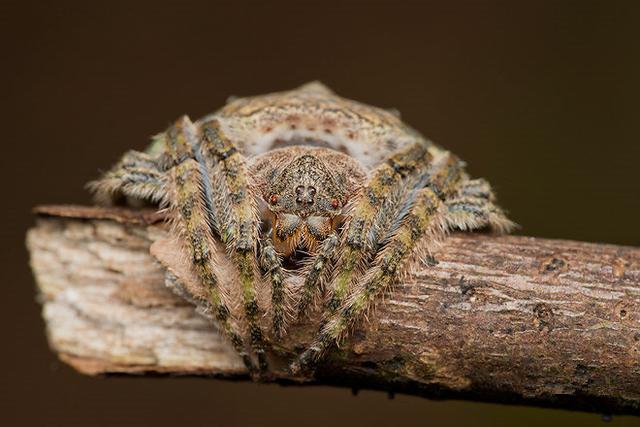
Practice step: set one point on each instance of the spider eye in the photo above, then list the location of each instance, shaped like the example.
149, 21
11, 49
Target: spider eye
335, 203
273, 199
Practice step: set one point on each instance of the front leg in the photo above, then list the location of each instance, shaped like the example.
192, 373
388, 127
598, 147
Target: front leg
237, 220
369, 220
384, 271
191, 222
315, 272
271, 263
190, 209
417, 217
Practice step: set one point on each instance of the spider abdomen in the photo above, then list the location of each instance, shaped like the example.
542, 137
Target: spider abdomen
313, 115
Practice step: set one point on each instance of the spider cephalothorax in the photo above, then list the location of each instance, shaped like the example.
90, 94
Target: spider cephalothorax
265, 179
305, 190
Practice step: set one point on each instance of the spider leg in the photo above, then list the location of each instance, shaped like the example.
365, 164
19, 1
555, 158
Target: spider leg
192, 220
319, 267
377, 280
272, 265
136, 175
365, 227
422, 218
197, 233
473, 208
316, 271
178, 177
237, 217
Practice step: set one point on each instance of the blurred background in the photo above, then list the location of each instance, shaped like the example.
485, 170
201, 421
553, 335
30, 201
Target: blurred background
539, 97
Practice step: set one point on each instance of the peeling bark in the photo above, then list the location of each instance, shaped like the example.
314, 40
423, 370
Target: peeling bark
503, 319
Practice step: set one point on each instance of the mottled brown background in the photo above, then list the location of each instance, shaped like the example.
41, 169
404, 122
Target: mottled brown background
539, 97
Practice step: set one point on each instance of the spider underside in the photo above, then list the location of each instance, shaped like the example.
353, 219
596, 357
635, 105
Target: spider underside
300, 185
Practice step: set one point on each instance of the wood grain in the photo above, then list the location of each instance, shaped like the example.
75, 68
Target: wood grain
503, 319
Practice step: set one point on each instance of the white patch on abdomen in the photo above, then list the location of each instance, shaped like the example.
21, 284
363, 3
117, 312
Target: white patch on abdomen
255, 140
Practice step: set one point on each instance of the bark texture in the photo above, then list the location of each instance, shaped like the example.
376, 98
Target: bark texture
503, 319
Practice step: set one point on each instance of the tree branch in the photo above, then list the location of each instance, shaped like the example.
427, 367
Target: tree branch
502, 319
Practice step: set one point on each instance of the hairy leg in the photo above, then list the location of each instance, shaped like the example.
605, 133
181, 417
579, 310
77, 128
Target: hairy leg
319, 267
365, 228
136, 175
174, 177
315, 272
271, 263
191, 212
473, 208
421, 220
237, 221
191, 222
387, 263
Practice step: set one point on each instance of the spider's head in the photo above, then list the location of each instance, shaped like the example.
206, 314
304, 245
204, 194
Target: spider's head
305, 199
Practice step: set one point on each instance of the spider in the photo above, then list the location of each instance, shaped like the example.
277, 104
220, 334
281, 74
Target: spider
302, 183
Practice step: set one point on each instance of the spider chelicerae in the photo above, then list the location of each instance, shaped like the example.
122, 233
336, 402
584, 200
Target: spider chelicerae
304, 183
